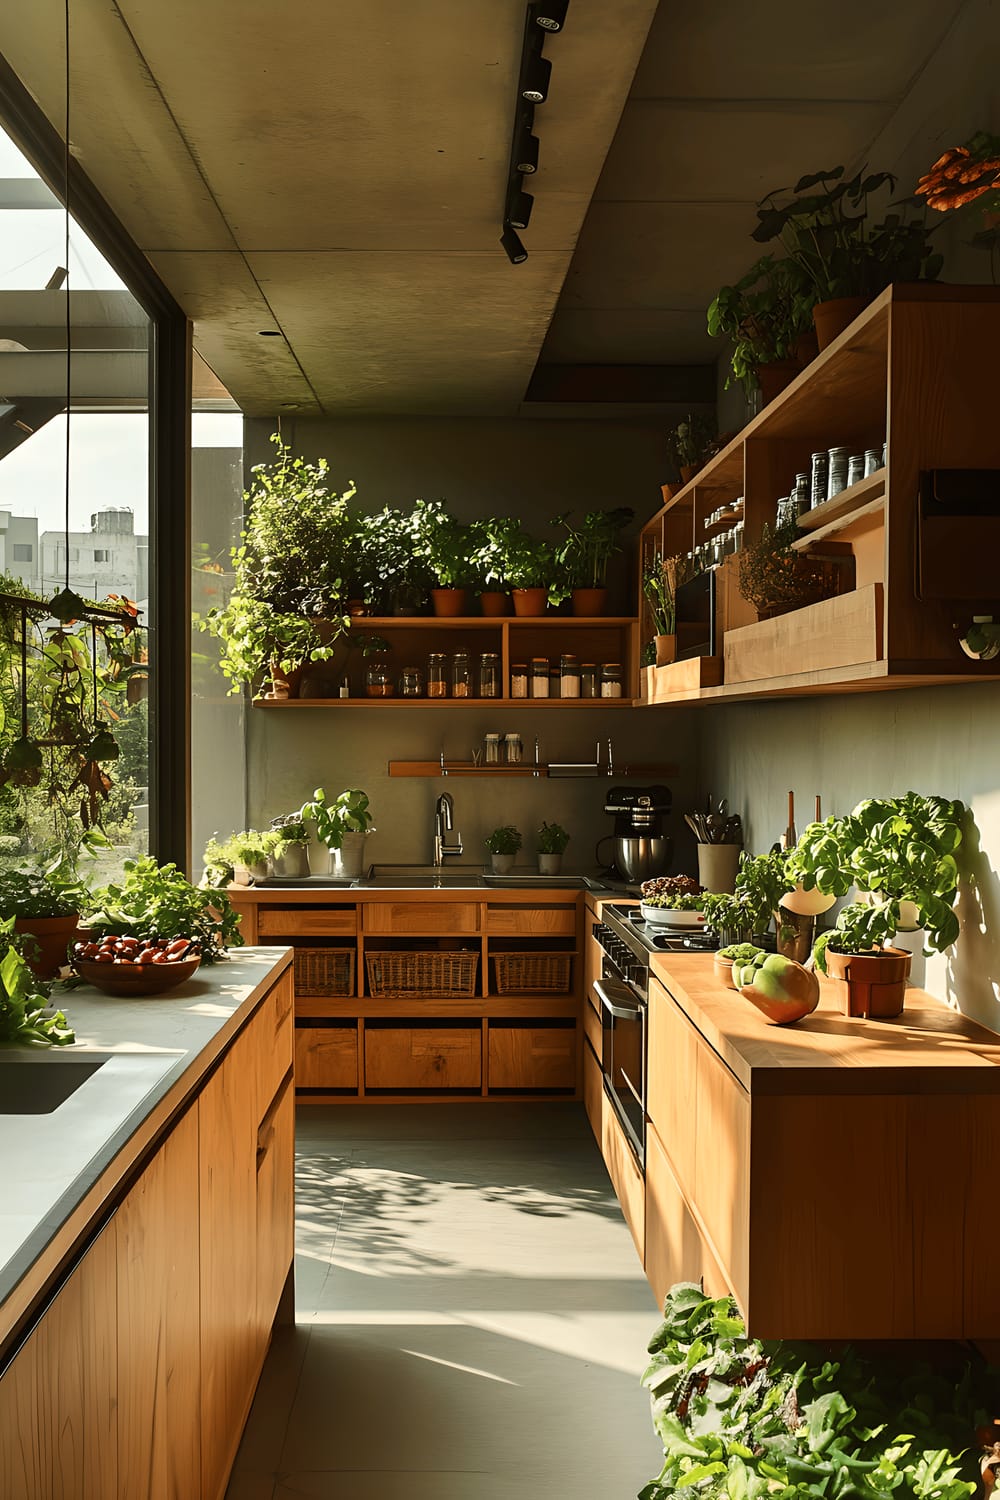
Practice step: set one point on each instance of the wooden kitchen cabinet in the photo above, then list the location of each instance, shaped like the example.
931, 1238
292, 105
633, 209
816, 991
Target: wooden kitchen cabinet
430, 918
400, 1058
306, 921
326, 1056
275, 1202
542, 921
532, 1056
59, 1420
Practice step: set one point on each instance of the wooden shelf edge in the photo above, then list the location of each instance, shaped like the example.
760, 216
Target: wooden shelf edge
439, 703
848, 501
484, 622
853, 523
431, 768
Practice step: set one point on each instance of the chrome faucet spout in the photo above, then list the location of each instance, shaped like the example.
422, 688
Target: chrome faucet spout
444, 822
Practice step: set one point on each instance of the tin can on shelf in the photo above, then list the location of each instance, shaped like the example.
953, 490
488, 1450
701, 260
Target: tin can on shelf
820, 474
855, 468
873, 460
836, 478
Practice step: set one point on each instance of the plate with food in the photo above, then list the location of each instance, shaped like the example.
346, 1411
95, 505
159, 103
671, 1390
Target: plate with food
673, 901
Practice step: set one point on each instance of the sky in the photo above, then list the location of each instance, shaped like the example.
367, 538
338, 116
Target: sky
108, 451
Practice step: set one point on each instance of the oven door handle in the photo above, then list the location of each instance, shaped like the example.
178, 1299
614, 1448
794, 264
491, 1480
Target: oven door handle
618, 999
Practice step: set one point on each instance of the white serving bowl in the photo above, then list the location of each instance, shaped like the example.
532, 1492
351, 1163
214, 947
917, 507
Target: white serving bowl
666, 916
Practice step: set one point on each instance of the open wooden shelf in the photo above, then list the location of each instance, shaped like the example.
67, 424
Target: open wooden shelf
379, 623
462, 703
466, 768
916, 366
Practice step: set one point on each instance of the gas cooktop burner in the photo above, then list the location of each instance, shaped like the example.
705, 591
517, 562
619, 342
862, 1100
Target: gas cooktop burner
655, 938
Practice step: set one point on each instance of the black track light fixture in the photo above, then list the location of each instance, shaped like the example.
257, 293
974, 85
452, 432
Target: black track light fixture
550, 15
519, 206
525, 156
536, 71
511, 242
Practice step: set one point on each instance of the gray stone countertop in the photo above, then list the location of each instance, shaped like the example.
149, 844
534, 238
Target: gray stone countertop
146, 1049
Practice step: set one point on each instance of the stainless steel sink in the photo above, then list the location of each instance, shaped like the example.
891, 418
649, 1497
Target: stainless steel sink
530, 882
38, 1085
469, 876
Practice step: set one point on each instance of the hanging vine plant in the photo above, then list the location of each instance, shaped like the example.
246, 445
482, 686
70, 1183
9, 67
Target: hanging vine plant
61, 665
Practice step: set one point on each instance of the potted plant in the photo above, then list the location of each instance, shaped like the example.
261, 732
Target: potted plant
528, 566
774, 579
289, 857
388, 571
824, 229
765, 314
246, 854
444, 545
503, 844
586, 552
341, 828
659, 580
900, 853
26, 1018
688, 444
45, 906
551, 841
487, 558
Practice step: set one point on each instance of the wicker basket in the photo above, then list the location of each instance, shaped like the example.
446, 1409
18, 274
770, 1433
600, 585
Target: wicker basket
324, 971
422, 973
533, 973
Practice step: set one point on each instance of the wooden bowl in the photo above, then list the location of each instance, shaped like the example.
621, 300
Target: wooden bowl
135, 979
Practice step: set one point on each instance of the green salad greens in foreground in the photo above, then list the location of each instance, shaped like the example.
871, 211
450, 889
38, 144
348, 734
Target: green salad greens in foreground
24, 1014
750, 1419
154, 900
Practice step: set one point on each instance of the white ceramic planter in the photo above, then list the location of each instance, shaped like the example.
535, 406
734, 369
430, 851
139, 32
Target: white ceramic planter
807, 903
549, 864
348, 862
293, 864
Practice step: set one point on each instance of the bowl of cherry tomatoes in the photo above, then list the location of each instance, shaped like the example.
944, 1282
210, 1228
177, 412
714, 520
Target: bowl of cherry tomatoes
126, 965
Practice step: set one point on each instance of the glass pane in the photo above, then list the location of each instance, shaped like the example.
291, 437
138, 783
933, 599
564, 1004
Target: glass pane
80, 680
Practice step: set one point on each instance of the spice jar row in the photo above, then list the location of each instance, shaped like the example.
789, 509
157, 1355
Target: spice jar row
457, 677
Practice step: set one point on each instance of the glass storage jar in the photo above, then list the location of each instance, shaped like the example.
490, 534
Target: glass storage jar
461, 675
514, 749
378, 681
611, 679
489, 675
588, 680
539, 677
437, 675
491, 751
569, 676
519, 679
411, 683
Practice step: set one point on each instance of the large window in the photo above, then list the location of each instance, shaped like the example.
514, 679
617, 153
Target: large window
103, 546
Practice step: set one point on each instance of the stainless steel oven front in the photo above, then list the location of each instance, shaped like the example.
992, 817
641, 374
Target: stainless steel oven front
621, 995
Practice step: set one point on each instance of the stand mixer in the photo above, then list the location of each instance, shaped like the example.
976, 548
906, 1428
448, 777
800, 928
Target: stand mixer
641, 849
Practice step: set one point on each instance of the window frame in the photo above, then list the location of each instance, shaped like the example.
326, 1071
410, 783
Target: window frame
170, 356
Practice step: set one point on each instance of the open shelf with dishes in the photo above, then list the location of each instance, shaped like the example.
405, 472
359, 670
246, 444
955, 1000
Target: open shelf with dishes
913, 371
604, 671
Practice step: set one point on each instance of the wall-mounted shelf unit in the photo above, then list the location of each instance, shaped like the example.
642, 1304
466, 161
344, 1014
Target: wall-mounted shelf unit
466, 768
515, 639
916, 366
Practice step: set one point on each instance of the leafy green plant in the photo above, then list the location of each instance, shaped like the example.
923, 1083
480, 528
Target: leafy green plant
154, 900
444, 545
732, 915
824, 230
647, 654
10, 843
590, 545
387, 570
50, 892
898, 848
751, 1419
659, 581
517, 560
772, 576
685, 901
688, 443
764, 314
347, 813
25, 999
503, 840
761, 881
250, 847
551, 838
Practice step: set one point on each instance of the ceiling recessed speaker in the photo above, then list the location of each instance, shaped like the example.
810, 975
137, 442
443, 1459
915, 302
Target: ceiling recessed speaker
519, 206
510, 240
535, 77
552, 16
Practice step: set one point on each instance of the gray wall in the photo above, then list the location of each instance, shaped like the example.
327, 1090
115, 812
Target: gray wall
530, 468
940, 740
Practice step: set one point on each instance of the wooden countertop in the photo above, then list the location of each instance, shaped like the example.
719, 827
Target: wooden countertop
929, 1049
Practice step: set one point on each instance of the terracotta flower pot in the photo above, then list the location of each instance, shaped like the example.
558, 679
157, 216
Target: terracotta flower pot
530, 601
832, 317
589, 602
870, 985
284, 684
688, 471
774, 378
668, 491
805, 348
449, 603
53, 936
493, 603
666, 650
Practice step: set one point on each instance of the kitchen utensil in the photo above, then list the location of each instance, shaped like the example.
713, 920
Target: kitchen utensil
689, 819
733, 832
790, 838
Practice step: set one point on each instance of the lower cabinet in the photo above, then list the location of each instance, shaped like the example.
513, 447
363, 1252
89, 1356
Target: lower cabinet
593, 1089
326, 1055
531, 1055
400, 1058
675, 1250
136, 1381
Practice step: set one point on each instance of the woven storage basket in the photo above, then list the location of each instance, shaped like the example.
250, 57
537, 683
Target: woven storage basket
422, 973
533, 973
324, 971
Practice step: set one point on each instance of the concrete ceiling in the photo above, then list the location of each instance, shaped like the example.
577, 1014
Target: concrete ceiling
335, 175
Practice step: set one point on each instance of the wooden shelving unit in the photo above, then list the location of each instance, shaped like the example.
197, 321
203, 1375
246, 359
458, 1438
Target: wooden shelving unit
466, 768
916, 365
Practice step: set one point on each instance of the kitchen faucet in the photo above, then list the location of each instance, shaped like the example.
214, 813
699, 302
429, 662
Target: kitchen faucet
444, 822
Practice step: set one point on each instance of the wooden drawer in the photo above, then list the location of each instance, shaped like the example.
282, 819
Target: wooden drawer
675, 1250
273, 1045
531, 1057
625, 1175
423, 1057
289, 921
592, 1026
546, 921
326, 1057
425, 917
670, 1073
593, 1090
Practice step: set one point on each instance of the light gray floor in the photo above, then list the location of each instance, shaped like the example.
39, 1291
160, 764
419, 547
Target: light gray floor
472, 1316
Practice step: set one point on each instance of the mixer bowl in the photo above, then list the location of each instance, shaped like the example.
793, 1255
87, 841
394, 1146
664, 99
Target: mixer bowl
643, 858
